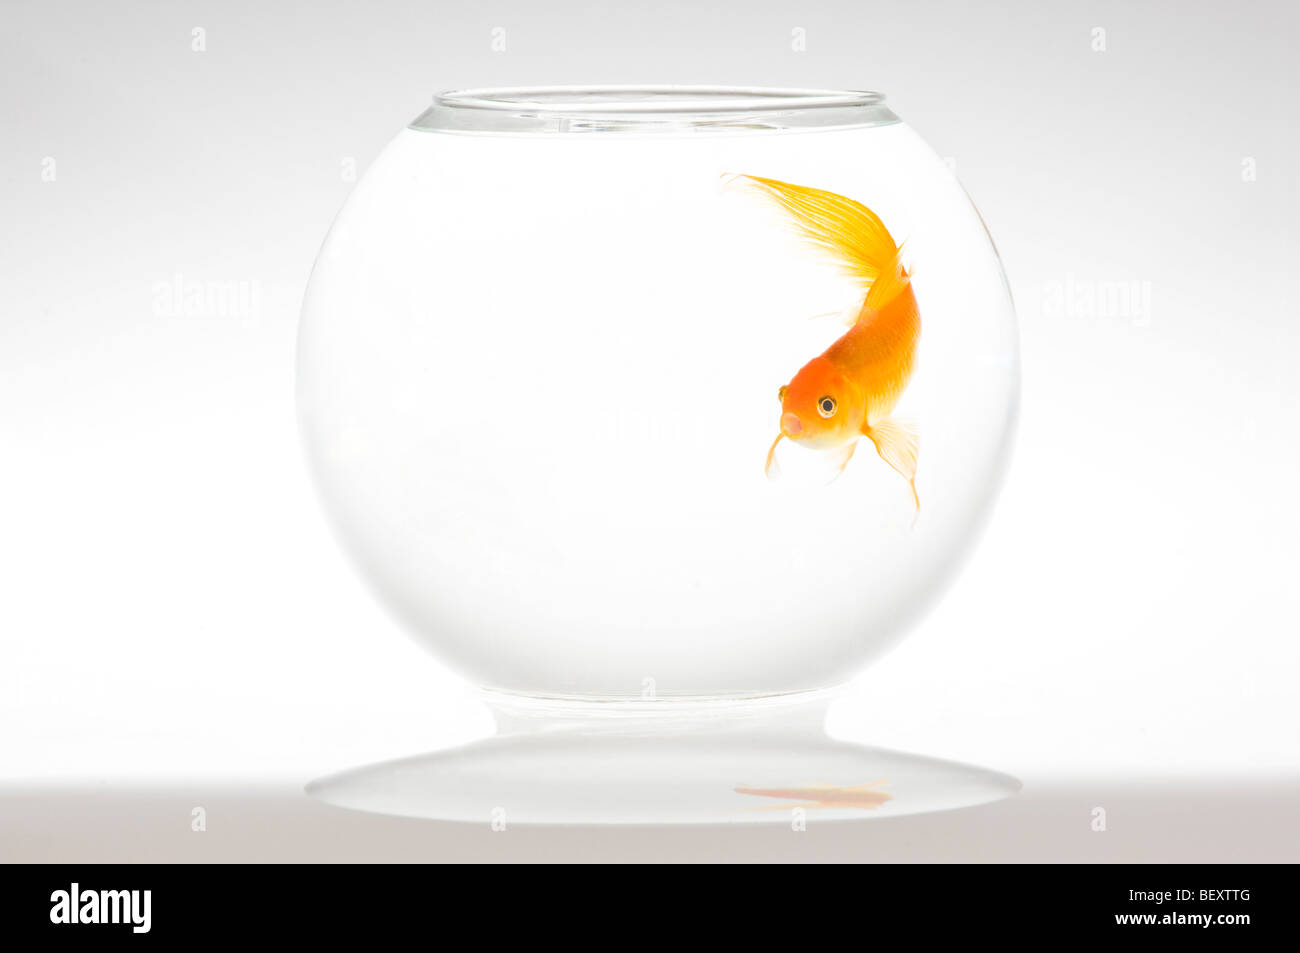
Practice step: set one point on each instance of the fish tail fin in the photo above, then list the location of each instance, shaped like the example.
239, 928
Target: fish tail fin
848, 231
898, 445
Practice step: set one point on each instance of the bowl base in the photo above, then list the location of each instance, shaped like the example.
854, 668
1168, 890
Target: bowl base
757, 761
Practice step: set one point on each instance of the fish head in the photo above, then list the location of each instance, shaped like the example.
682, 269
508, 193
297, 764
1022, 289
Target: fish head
821, 407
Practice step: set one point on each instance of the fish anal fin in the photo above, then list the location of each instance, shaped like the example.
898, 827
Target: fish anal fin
898, 445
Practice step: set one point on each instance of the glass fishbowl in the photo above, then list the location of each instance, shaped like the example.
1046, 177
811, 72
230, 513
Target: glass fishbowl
658, 413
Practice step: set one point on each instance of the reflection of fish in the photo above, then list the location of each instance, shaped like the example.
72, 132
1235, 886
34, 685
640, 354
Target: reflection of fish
850, 390
820, 795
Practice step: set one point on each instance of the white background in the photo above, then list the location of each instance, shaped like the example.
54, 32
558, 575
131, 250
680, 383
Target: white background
172, 605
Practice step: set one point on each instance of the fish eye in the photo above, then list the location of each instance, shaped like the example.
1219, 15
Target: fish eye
780, 394
826, 406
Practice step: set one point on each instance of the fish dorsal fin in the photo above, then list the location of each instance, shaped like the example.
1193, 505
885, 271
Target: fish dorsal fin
889, 283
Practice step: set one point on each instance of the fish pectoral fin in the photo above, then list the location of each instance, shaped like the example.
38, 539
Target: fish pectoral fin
840, 458
772, 469
898, 444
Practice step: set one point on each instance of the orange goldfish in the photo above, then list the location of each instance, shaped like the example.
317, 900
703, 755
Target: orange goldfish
849, 391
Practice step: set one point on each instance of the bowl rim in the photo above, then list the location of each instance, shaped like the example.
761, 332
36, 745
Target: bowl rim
652, 99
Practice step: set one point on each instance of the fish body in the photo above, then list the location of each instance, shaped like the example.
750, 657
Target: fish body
850, 390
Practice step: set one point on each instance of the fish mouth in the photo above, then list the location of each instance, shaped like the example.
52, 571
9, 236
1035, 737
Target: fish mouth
791, 426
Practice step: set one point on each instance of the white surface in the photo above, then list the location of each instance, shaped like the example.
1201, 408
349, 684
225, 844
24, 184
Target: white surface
1145, 822
173, 605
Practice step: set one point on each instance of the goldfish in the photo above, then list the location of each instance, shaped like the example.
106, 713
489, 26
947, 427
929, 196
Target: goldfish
849, 390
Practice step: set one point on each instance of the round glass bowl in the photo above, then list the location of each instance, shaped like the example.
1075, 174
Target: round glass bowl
553, 334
